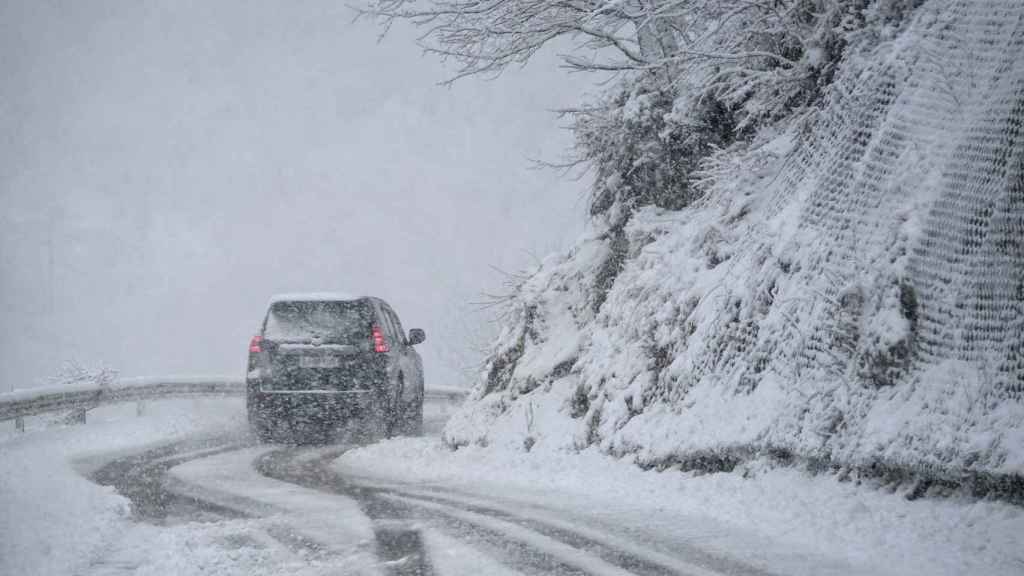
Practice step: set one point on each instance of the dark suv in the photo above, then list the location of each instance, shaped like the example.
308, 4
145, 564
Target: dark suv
322, 361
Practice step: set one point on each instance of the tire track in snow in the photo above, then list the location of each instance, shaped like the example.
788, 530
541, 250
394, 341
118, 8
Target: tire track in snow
142, 478
290, 465
157, 497
618, 549
399, 544
528, 544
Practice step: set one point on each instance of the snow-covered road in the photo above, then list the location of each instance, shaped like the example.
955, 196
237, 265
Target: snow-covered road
295, 498
186, 490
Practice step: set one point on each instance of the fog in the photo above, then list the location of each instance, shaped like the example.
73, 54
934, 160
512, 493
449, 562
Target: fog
166, 166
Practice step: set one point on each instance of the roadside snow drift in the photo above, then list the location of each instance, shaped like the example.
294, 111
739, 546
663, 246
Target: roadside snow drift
54, 520
850, 291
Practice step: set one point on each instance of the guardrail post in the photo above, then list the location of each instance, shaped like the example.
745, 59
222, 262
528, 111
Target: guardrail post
19, 424
77, 417
140, 408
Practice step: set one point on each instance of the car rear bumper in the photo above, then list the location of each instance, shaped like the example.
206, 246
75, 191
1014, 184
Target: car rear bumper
313, 408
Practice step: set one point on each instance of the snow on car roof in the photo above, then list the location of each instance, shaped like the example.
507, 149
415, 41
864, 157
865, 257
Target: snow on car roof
313, 297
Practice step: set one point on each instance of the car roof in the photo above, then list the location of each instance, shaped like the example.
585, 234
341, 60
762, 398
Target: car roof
314, 297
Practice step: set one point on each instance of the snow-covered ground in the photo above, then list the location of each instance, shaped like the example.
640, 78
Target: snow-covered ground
780, 520
53, 520
783, 520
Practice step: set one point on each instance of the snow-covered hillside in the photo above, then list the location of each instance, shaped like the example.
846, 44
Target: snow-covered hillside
849, 291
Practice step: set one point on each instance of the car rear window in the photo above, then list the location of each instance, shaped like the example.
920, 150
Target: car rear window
332, 322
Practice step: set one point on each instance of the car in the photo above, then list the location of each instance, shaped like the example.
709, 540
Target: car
322, 363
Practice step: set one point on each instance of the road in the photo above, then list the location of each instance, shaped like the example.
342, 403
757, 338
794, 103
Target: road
359, 525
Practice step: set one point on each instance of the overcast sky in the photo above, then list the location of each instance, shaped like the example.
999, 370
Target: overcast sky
166, 166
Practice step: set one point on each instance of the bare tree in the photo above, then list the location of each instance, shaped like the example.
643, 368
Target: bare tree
696, 75
733, 49
485, 36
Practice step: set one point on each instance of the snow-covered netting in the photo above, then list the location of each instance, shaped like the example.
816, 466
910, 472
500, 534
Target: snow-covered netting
850, 290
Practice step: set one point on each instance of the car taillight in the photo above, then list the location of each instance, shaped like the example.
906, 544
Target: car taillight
379, 343
256, 344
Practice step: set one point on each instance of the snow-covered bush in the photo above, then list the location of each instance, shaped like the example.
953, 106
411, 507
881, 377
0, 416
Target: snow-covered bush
643, 151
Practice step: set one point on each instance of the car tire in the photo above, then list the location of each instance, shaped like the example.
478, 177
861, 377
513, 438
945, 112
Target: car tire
396, 415
262, 432
376, 421
413, 421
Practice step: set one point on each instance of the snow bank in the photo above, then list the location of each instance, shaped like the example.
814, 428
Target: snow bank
850, 292
55, 521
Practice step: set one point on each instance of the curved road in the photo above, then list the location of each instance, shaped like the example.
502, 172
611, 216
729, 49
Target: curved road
517, 538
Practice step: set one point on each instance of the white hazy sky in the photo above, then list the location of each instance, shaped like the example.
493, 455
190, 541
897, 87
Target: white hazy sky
165, 166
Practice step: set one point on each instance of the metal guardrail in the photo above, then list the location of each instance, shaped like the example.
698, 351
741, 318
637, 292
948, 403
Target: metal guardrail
20, 404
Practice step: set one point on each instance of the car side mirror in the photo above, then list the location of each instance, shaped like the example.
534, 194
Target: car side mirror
416, 336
